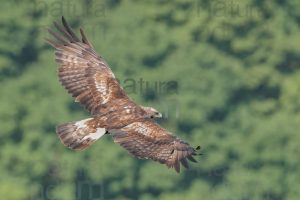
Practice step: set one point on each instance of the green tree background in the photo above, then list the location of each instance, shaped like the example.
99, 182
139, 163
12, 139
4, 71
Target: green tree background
236, 65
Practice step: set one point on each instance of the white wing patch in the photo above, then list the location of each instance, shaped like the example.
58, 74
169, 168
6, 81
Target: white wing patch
81, 124
80, 128
95, 136
102, 87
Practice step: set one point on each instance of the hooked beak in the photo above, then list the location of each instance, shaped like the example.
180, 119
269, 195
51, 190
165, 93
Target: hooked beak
159, 115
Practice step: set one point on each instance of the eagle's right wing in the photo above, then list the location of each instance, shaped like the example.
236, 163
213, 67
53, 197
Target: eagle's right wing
146, 139
84, 74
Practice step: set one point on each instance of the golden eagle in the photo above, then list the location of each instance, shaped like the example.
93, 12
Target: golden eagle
88, 78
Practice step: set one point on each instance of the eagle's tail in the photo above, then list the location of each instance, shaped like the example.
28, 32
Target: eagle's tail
81, 134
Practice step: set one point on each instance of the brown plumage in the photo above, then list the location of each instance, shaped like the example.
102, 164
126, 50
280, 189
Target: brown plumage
88, 78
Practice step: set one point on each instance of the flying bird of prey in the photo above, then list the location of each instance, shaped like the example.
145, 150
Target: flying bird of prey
88, 78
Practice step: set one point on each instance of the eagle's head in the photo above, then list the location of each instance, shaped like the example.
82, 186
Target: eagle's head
151, 112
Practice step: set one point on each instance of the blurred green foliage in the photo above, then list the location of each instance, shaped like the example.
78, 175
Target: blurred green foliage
236, 65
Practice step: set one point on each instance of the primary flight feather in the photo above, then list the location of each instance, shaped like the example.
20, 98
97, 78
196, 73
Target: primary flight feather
88, 78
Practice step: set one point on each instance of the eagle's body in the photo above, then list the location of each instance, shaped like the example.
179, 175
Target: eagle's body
88, 78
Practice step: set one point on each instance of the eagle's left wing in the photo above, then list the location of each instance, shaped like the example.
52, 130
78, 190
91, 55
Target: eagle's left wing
83, 73
146, 139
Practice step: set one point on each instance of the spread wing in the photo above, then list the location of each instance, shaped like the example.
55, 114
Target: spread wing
146, 139
84, 74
